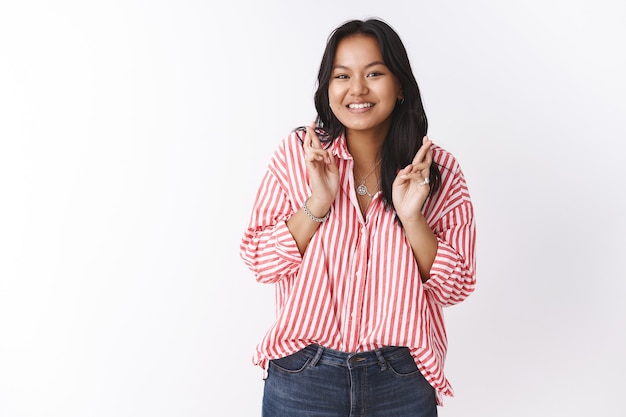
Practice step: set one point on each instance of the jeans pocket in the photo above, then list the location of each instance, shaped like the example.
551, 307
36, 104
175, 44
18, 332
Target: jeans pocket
292, 364
403, 364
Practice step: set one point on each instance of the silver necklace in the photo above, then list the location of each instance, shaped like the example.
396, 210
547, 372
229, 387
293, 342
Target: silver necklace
362, 188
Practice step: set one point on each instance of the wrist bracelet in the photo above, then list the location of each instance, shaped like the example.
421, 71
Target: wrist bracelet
311, 216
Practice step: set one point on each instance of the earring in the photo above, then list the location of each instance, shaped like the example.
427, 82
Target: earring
402, 100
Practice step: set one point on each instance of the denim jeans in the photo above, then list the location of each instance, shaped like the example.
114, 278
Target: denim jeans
320, 382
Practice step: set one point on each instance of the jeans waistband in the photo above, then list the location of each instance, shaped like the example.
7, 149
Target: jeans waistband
320, 354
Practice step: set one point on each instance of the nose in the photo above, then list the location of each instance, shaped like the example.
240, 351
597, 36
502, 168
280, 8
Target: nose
358, 86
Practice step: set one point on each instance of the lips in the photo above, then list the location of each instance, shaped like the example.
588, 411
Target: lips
360, 105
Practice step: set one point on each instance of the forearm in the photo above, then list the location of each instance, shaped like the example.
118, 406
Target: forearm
303, 225
423, 243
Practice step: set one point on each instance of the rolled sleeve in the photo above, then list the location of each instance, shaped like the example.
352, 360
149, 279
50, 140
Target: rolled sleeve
452, 275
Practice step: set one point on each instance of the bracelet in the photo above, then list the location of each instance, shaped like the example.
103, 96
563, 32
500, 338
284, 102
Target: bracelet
311, 216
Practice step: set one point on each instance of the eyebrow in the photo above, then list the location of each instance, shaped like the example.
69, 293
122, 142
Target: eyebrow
367, 66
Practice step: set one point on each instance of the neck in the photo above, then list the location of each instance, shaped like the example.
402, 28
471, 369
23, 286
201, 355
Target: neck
365, 146
365, 154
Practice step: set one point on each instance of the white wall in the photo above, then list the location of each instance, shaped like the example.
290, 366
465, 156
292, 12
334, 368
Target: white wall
133, 136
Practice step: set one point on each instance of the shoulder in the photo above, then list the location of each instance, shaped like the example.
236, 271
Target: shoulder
291, 141
453, 191
289, 145
445, 159
288, 158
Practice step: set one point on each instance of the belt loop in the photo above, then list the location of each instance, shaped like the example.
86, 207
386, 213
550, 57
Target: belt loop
381, 360
318, 355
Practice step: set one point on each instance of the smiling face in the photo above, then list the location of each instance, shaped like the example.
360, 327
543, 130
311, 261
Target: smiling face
362, 91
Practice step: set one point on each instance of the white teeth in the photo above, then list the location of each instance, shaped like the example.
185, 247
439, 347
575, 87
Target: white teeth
360, 106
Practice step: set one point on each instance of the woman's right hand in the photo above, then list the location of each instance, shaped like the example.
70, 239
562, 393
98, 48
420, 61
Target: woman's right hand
323, 173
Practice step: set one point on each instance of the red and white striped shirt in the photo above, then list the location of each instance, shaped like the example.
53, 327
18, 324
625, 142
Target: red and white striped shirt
357, 286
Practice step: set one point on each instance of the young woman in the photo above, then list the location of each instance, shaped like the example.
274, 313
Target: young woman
367, 230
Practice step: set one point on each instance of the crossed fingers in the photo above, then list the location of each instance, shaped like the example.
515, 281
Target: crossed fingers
313, 146
420, 166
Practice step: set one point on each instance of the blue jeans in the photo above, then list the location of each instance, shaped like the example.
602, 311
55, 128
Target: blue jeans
320, 382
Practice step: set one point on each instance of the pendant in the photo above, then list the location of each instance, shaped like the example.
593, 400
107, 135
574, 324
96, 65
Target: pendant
361, 190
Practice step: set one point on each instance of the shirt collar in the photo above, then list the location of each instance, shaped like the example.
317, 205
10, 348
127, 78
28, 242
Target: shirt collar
340, 147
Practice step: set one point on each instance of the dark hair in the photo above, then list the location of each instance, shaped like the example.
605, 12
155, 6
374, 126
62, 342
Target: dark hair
409, 119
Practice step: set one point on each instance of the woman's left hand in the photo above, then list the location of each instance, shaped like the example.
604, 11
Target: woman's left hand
411, 186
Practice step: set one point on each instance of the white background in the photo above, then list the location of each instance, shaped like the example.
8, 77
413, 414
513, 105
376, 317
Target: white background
134, 135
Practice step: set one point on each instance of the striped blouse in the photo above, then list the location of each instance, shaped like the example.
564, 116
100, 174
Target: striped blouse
357, 286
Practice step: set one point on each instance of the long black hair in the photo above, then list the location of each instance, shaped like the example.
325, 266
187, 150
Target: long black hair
409, 124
